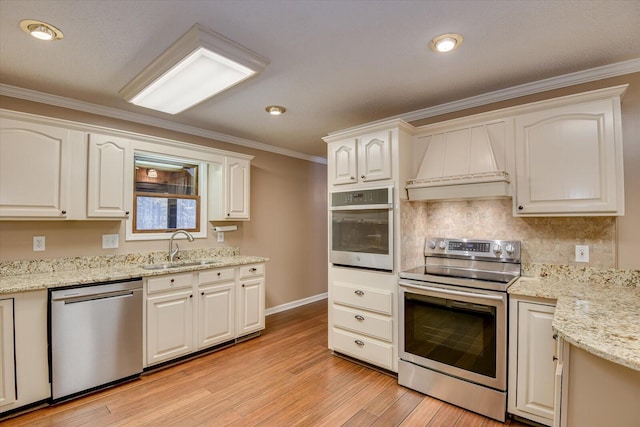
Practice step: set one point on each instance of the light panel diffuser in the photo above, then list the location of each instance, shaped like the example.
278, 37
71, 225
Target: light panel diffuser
199, 65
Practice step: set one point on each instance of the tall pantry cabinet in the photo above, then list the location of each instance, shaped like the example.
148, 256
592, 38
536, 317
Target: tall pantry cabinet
363, 306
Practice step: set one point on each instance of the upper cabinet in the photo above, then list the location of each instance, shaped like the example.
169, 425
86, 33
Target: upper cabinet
369, 154
362, 159
569, 156
35, 165
110, 177
229, 187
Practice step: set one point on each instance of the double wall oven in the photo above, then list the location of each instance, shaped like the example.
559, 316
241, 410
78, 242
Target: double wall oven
361, 228
453, 323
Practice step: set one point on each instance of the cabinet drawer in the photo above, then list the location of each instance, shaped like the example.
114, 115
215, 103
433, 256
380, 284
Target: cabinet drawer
251, 270
165, 283
364, 322
363, 348
213, 276
361, 297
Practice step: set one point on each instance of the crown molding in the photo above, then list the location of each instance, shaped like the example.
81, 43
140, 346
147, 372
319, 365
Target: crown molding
87, 107
585, 76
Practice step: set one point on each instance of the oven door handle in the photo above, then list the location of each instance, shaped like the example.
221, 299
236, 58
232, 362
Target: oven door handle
454, 292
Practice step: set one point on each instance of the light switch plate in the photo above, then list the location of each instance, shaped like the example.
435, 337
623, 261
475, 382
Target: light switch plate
109, 241
220, 236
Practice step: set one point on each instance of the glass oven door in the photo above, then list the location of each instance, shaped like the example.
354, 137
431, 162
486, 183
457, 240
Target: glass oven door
361, 228
455, 331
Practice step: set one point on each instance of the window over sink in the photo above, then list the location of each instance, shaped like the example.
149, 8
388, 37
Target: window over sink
167, 196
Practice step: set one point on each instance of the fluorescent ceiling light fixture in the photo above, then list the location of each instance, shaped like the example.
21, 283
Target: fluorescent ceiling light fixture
446, 42
40, 30
199, 65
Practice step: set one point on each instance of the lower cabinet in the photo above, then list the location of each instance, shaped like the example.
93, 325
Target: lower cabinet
361, 318
532, 360
188, 312
24, 364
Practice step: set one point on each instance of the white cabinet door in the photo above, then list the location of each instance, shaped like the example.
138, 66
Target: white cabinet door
34, 170
536, 367
238, 176
229, 189
7, 354
569, 160
342, 162
169, 326
374, 156
216, 314
250, 306
362, 159
110, 177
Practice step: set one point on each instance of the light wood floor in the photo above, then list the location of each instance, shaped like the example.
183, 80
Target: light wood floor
285, 377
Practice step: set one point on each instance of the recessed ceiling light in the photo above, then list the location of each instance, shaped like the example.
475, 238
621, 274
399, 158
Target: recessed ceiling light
446, 42
275, 110
40, 30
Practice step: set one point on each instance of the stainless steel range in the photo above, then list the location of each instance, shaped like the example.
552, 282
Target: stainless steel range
453, 323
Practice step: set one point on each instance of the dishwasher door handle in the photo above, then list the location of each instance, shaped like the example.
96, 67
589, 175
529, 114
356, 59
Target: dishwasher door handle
94, 297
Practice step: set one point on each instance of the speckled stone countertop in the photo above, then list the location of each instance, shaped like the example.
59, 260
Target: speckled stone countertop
597, 310
22, 276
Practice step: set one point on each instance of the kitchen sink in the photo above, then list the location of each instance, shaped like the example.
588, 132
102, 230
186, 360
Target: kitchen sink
167, 266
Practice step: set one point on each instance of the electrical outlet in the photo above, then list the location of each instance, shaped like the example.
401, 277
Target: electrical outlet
38, 243
220, 236
109, 241
582, 253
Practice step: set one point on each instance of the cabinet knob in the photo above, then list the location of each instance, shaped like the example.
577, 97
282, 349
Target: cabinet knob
555, 337
362, 177
64, 212
520, 207
219, 274
228, 214
202, 293
352, 178
360, 343
555, 358
359, 292
359, 317
243, 285
126, 213
253, 269
191, 296
173, 280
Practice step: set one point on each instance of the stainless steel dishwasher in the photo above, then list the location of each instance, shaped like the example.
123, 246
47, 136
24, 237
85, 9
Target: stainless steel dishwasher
95, 336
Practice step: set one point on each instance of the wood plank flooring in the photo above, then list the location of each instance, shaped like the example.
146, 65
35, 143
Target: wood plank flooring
286, 377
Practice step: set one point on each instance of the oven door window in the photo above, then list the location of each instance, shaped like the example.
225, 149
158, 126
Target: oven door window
455, 333
363, 231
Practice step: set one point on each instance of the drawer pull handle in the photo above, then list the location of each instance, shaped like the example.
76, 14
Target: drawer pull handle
359, 292
358, 317
360, 343
253, 270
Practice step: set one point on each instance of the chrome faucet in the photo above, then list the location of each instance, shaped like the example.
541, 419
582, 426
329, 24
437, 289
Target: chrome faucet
174, 252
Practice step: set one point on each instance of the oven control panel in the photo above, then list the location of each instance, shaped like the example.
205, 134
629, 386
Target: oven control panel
471, 248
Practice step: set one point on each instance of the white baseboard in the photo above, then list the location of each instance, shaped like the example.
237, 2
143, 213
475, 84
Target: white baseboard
294, 304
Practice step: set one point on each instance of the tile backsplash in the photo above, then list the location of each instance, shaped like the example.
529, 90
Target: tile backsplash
549, 240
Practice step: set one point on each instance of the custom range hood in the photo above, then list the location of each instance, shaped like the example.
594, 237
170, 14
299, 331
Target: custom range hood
457, 160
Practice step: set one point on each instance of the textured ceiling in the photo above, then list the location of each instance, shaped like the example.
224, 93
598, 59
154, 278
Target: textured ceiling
333, 64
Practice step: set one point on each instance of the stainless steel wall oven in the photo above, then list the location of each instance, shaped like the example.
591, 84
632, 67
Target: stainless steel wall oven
361, 228
453, 323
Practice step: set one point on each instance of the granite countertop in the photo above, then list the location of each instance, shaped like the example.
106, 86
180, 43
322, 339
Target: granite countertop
21, 276
598, 314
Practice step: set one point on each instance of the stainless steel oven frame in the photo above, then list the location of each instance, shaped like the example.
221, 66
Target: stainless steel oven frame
483, 394
363, 259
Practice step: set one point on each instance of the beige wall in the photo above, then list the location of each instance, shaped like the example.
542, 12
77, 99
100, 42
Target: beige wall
626, 240
288, 217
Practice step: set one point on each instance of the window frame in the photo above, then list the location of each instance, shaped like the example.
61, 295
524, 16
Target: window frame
170, 155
